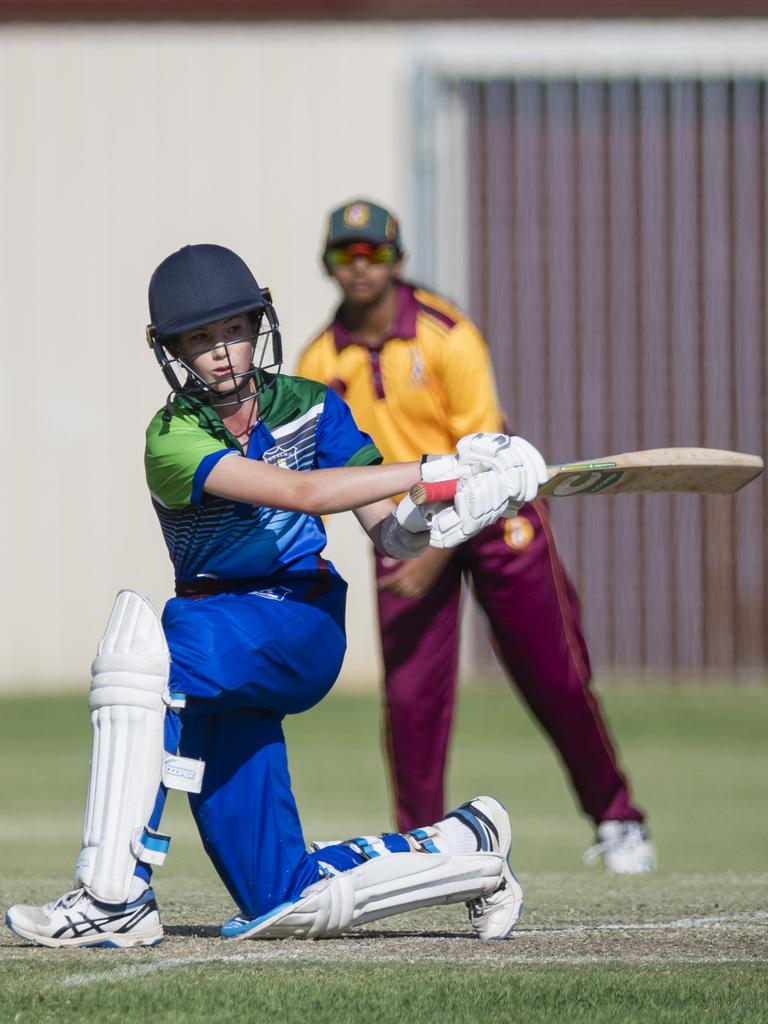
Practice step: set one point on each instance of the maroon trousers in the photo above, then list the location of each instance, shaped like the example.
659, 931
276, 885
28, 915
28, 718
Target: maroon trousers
533, 611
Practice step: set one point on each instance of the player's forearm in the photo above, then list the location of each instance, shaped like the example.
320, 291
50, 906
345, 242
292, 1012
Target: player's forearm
319, 492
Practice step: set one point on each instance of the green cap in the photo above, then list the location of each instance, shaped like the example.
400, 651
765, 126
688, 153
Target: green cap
360, 220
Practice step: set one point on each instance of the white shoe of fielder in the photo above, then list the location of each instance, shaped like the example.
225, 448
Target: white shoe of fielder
77, 919
624, 847
493, 916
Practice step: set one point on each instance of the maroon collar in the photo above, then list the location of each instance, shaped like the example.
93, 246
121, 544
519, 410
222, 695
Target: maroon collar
406, 311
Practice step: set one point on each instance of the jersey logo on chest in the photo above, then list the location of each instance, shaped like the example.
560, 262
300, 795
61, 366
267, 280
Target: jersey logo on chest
417, 367
285, 458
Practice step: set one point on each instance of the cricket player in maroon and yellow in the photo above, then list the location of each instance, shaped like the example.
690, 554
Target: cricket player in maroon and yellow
417, 375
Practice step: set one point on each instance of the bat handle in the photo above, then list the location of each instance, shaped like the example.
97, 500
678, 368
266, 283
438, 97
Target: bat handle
440, 490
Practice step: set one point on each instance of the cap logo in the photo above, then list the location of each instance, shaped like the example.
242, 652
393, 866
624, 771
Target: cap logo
391, 229
357, 215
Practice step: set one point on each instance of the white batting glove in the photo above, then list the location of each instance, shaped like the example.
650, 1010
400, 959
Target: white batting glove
521, 465
413, 518
405, 532
479, 501
445, 467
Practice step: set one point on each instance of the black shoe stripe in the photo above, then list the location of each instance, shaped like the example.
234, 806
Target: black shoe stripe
479, 837
97, 925
483, 817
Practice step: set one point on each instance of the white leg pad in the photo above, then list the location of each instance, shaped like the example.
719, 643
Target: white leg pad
381, 887
129, 679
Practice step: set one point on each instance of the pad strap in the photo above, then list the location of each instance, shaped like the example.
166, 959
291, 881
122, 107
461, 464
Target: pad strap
423, 840
369, 847
150, 847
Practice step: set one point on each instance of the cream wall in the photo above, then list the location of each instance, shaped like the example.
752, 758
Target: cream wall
120, 144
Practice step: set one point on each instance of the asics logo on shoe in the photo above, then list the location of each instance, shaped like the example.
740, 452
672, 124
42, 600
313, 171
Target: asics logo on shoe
78, 919
108, 923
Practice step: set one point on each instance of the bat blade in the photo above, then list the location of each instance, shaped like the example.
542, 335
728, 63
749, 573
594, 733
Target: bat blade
657, 470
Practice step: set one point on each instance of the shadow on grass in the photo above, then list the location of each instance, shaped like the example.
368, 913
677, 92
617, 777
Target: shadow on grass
204, 931
410, 933
193, 931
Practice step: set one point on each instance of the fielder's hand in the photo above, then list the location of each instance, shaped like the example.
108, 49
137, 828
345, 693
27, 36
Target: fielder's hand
521, 465
480, 501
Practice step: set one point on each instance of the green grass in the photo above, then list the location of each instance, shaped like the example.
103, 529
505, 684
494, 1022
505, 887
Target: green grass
598, 994
697, 760
698, 764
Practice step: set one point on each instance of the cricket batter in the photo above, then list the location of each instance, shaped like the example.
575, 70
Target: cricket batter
417, 376
241, 464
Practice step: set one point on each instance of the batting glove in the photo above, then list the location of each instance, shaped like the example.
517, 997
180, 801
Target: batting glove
405, 532
521, 465
413, 518
444, 467
479, 501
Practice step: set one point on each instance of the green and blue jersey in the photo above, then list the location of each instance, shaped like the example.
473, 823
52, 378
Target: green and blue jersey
302, 426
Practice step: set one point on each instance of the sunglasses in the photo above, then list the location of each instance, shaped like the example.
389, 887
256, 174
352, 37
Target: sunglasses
344, 255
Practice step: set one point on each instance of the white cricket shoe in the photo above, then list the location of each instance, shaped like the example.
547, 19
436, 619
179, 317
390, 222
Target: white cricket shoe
494, 916
77, 919
624, 847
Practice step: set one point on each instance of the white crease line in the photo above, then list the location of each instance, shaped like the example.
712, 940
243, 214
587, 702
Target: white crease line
683, 922
308, 951
137, 970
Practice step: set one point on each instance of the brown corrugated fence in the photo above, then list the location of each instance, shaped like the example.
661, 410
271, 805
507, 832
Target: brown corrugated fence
619, 267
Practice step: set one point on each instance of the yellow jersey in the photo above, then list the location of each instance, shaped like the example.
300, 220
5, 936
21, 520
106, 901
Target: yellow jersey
421, 387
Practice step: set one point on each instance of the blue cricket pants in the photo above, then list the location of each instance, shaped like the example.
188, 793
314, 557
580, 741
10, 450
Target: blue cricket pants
244, 660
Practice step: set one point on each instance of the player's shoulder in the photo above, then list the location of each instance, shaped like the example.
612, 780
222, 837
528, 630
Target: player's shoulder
438, 310
302, 390
293, 398
171, 418
185, 425
320, 342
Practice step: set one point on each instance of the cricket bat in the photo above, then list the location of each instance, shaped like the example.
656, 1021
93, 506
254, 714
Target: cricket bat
655, 471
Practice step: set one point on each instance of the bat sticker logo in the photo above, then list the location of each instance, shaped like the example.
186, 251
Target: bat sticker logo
588, 483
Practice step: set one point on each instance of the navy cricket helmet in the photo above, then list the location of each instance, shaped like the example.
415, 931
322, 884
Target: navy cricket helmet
198, 285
